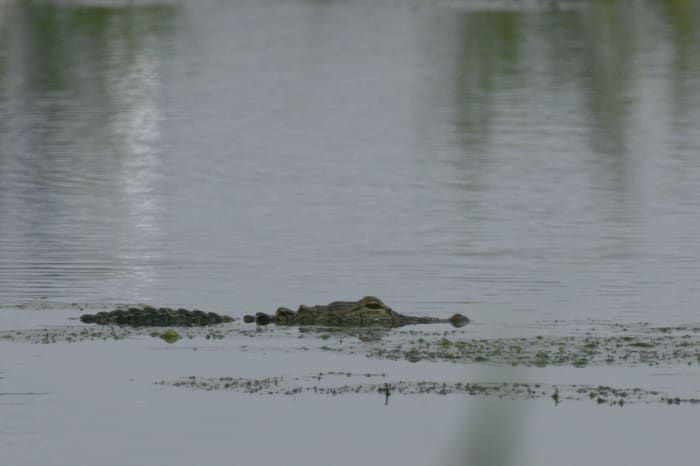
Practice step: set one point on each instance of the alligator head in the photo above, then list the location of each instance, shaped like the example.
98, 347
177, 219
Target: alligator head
368, 311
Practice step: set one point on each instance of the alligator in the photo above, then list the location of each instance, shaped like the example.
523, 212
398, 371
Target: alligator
149, 316
368, 311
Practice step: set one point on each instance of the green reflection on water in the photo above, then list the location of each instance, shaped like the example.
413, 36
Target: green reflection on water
81, 81
601, 49
67, 56
488, 57
57, 37
681, 19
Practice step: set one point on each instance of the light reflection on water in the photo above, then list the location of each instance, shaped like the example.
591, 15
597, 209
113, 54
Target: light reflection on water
511, 161
539, 160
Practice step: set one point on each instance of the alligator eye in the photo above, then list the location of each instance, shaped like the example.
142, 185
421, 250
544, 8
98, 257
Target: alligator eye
373, 305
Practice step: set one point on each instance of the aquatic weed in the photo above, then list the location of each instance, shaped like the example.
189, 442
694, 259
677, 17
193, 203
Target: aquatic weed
170, 336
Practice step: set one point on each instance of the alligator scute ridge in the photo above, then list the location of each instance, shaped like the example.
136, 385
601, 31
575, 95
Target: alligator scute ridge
368, 311
149, 316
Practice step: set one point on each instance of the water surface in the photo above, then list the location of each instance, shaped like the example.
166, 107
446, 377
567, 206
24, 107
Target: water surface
513, 161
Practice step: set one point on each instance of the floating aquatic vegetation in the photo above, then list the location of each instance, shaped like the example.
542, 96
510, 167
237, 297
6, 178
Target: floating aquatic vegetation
629, 345
75, 334
652, 348
558, 346
324, 384
170, 336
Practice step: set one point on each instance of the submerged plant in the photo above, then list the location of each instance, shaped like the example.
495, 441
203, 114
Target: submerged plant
580, 362
170, 336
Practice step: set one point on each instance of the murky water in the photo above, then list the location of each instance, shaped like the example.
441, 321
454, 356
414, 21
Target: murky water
513, 161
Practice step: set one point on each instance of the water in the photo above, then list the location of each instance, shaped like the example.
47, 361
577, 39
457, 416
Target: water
513, 161
504, 161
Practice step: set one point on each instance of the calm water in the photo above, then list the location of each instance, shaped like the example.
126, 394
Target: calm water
514, 161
